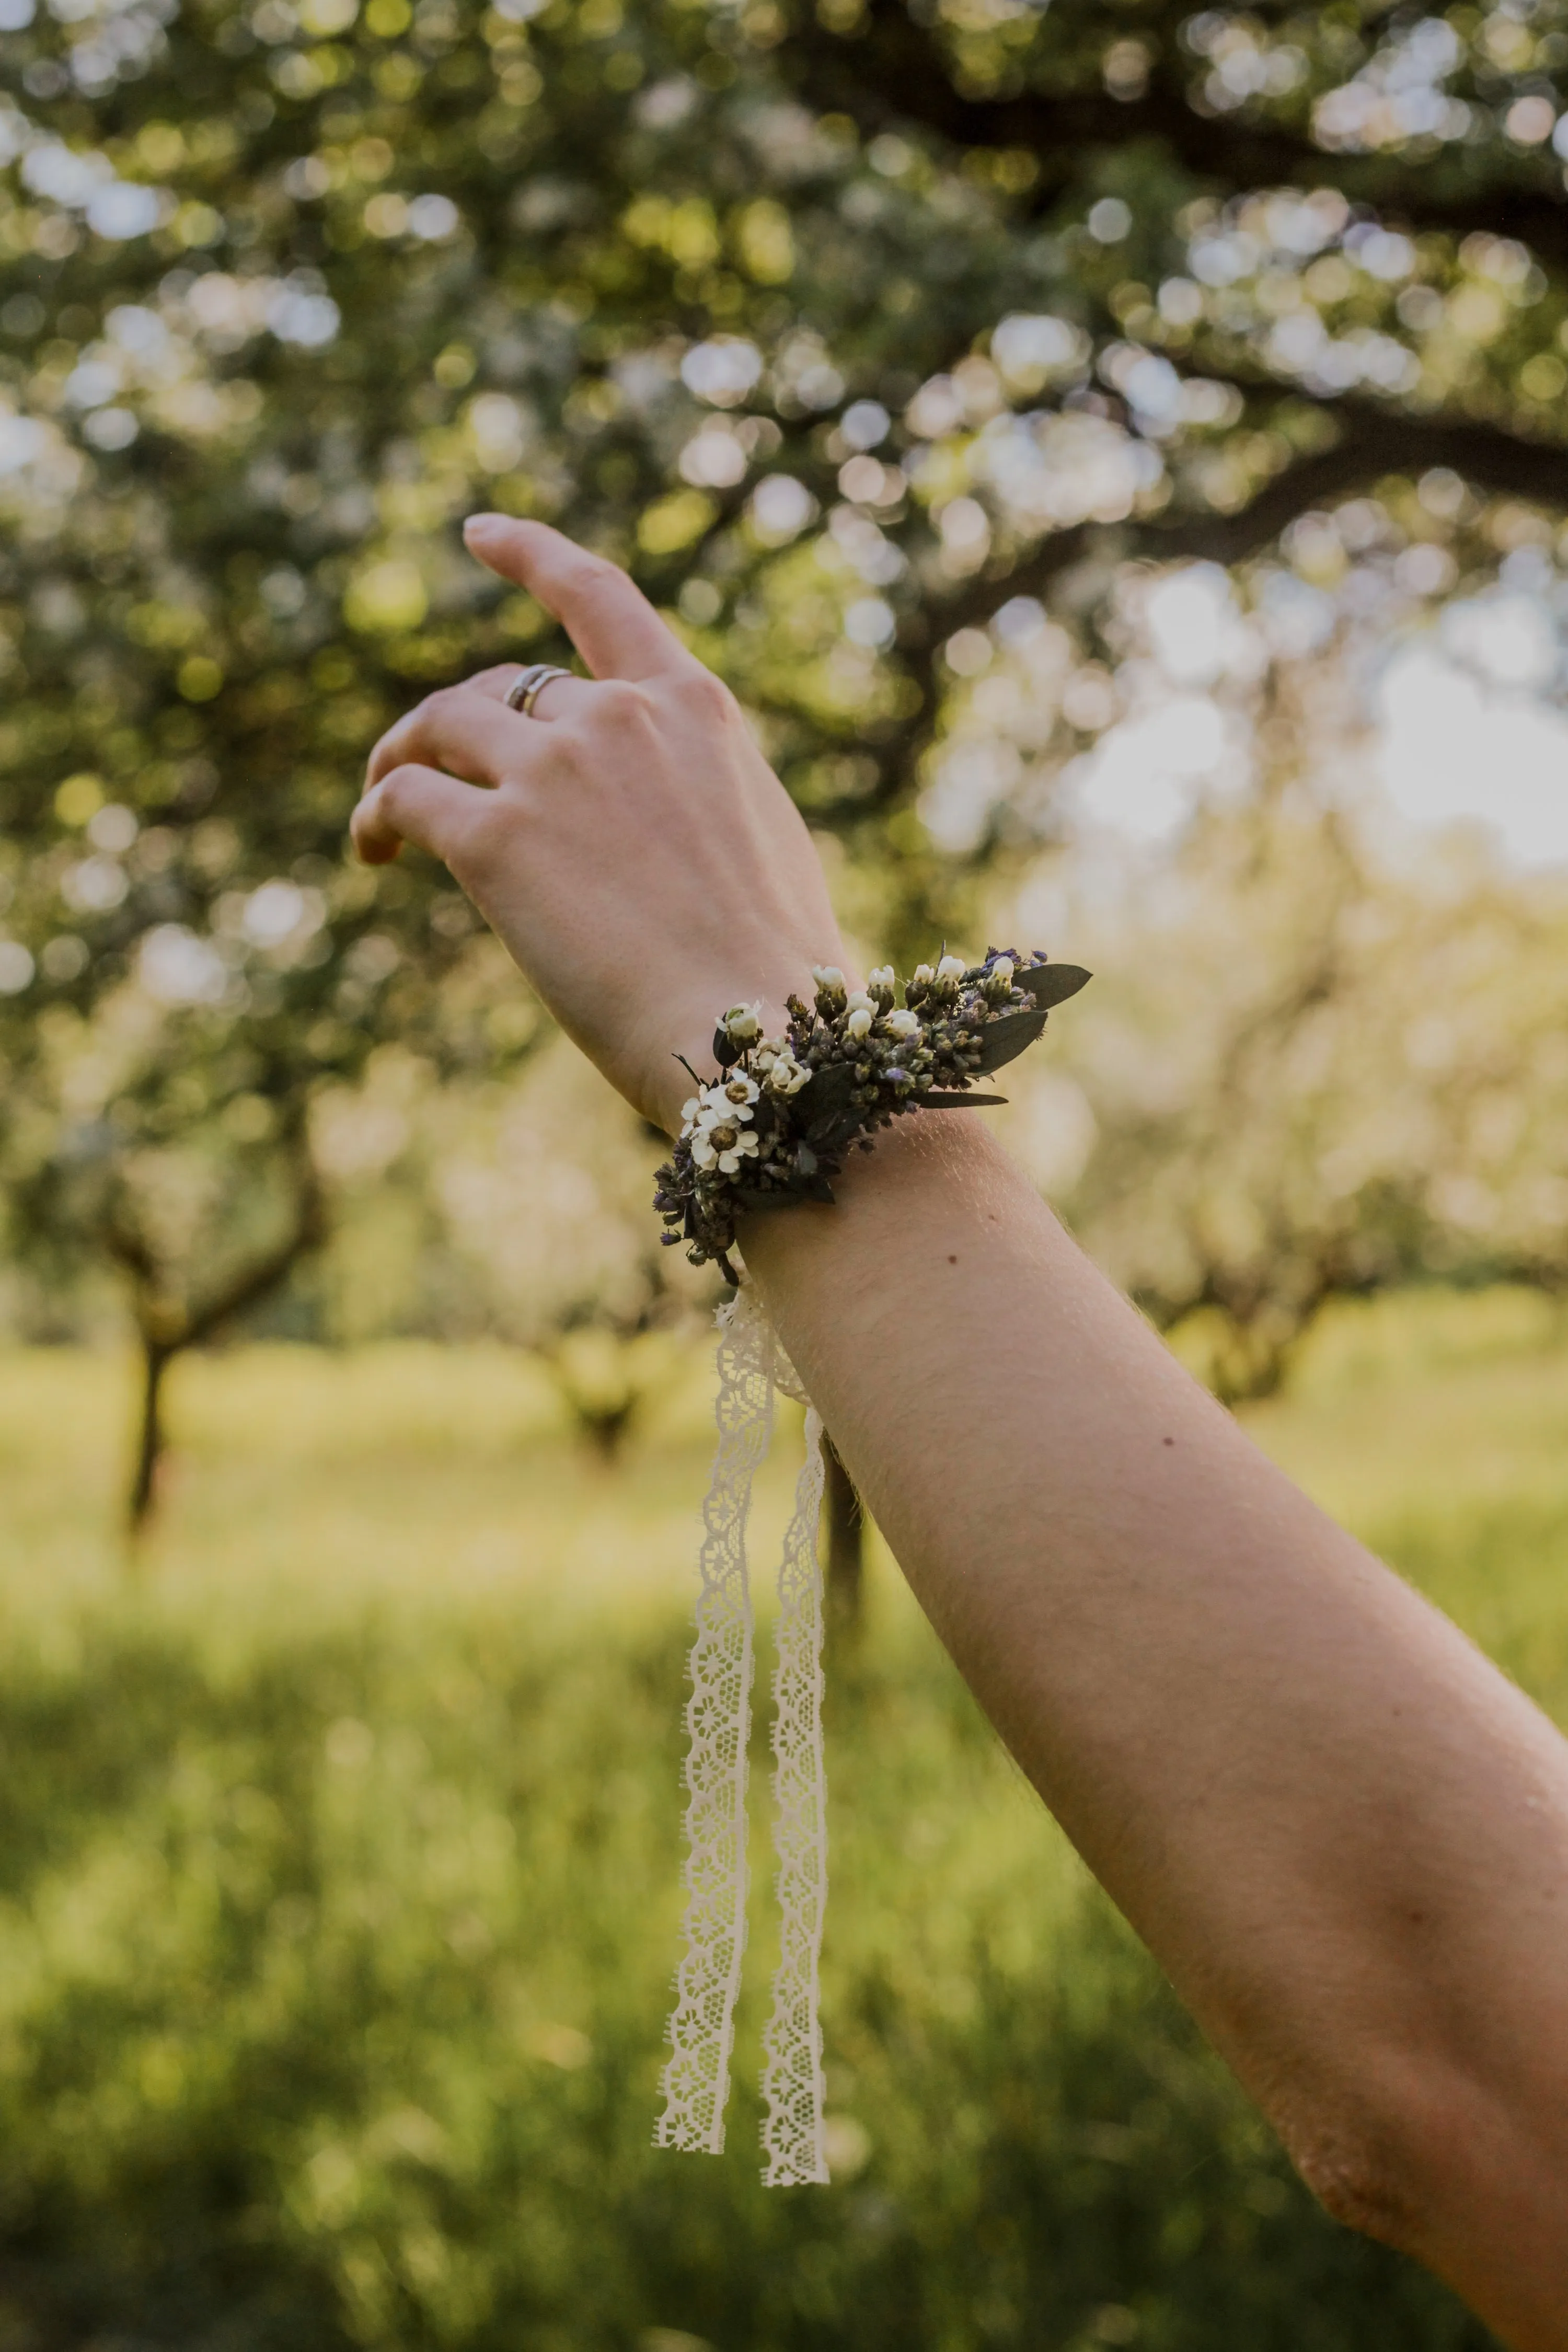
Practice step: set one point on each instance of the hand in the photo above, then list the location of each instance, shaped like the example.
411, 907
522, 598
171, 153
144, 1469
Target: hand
628, 840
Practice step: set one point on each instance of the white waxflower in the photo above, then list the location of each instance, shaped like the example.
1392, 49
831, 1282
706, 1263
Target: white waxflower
720, 1110
724, 1147
744, 1022
736, 1095
859, 1022
882, 978
951, 968
922, 976
689, 1111
1002, 970
744, 1147
785, 1075
903, 1024
829, 978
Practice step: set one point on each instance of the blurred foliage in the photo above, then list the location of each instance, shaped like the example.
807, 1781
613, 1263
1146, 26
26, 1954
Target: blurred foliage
338, 1902
896, 352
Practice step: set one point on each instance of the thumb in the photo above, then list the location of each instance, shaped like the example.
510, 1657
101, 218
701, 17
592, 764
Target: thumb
422, 805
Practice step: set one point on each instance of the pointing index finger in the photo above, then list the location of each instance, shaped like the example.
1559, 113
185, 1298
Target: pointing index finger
607, 616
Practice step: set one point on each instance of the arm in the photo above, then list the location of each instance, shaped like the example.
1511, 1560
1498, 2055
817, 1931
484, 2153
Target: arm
1342, 1833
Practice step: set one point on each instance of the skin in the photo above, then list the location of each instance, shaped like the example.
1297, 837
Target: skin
1342, 1831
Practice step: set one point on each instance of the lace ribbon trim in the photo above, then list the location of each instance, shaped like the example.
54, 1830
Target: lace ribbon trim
718, 1719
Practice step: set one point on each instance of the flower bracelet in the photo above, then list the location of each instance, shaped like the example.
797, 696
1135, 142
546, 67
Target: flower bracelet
774, 1128
770, 1130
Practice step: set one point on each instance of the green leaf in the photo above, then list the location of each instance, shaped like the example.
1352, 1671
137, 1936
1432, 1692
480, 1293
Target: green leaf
1001, 1040
824, 1100
1052, 984
943, 1101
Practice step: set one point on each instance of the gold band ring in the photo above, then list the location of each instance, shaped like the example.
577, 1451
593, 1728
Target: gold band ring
530, 684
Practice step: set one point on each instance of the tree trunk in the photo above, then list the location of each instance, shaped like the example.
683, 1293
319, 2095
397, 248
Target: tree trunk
846, 1546
166, 1326
155, 1361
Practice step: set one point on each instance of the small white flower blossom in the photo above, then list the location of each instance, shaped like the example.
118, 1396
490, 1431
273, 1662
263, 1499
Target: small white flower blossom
689, 1112
829, 978
786, 1076
744, 1022
882, 978
922, 976
722, 1109
859, 1001
1002, 970
737, 1094
903, 1024
726, 1147
951, 968
859, 1022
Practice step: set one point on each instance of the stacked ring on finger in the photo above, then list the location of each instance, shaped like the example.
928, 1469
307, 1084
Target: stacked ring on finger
530, 684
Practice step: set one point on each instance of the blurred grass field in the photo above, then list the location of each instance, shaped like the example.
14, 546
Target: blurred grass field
338, 1892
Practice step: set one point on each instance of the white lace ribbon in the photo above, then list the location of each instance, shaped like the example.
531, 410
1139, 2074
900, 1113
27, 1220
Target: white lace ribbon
718, 1721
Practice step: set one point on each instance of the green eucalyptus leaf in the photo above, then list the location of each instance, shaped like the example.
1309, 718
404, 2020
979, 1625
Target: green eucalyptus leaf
942, 1101
1003, 1039
825, 1100
1052, 984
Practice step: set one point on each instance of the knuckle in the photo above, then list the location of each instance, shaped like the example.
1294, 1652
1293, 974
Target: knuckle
394, 788
707, 696
592, 578
620, 712
621, 704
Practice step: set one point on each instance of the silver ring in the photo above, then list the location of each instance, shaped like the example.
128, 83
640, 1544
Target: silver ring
530, 684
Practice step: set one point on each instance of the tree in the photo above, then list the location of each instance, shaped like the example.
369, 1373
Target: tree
1321, 1060
862, 336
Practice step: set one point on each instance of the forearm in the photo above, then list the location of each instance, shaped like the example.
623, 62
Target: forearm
1342, 1832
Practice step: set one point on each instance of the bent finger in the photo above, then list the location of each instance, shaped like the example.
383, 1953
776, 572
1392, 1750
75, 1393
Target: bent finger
606, 615
414, 804
470, 735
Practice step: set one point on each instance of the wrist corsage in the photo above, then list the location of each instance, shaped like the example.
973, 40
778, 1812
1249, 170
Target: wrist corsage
774, 1126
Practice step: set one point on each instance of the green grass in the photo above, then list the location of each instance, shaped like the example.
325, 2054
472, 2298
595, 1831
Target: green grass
339, 1894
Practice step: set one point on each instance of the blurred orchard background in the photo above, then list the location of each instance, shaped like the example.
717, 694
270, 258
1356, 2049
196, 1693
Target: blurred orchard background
1116, 453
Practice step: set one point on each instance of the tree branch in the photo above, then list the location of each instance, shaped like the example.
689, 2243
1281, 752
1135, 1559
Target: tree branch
1375, 442
893, 71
